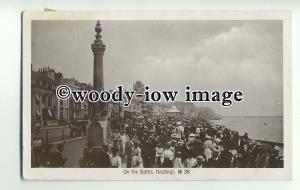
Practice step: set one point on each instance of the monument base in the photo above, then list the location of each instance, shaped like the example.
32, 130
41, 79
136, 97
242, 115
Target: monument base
98, 133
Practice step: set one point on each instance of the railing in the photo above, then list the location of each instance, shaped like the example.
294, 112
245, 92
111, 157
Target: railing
53, 134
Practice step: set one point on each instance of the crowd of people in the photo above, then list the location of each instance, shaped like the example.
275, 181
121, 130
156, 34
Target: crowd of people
179, 143
139, 142
41, 154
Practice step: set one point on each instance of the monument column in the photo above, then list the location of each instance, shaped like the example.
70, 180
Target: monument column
98, 128
98, 49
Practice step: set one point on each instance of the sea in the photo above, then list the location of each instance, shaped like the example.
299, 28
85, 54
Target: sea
258, 128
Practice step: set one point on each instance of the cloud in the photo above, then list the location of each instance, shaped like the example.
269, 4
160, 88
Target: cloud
247, 57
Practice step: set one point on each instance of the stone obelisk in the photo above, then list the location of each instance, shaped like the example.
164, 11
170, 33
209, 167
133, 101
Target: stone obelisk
98, 132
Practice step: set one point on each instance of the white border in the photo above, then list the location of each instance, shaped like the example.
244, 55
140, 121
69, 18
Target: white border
196, 174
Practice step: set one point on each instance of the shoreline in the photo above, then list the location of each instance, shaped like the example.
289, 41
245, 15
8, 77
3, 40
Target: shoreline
229, 116
265, 139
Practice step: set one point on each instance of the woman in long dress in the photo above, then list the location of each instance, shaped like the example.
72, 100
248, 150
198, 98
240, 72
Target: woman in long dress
137, 161
158, 155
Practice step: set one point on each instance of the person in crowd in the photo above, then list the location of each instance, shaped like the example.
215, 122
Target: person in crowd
46, 152
172, 146
103, 157
123, 140
116, 140
96, 157
244, 156
208, 147
216, 150
137, 161
158, 155
180, 130
260, 161
115, 159
199, 161
190, 161
235, 140
274, 157
225, 160
254, 146
89, 156
37, 144
234, 158
148, 153
177, 161
58, 160
244, 140
167, 156
183, 148
128, 152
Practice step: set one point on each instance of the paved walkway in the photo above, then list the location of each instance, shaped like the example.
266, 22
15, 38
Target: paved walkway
73, 151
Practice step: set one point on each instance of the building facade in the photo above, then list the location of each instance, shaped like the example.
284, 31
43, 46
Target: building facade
46, 108
69, 110
43, 97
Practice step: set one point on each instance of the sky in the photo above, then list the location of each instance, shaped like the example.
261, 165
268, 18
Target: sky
168, 55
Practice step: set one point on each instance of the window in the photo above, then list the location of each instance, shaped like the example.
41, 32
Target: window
49, 101
43, 99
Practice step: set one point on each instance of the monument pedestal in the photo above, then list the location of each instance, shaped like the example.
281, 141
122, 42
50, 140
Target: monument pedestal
98, 132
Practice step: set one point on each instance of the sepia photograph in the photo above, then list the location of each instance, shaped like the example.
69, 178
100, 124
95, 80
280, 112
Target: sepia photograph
167, 96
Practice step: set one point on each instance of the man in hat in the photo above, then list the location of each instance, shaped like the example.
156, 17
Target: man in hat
104, 157
89, 156
37, 146
273, 158
148, 153
208, 147
123, 139
199, 161
58, 160
253, 152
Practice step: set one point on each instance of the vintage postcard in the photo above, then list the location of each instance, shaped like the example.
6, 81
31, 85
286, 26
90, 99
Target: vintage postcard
157, 95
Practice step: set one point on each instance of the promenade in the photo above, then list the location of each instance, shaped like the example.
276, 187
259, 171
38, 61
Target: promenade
73, 151
192, 140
